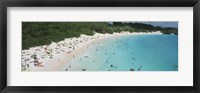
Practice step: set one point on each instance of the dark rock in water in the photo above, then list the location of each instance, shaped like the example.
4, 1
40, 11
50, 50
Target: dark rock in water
27, 65
109, 70
133, 58
93, 60
139, 69
113, 53
141, 66
111, 65
69, 66
86, 56
84, 69
66, 69
131, 69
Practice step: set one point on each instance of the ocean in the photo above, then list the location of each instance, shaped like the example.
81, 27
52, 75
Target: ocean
145, 52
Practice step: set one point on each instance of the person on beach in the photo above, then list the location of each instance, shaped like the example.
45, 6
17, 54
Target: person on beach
27, 65
36, 62
35, 59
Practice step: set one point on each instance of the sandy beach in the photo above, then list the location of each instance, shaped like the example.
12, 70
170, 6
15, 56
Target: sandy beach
55, 56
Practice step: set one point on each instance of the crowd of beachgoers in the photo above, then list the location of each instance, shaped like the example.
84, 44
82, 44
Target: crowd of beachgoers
51, 57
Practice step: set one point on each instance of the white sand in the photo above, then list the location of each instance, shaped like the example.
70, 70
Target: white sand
57, 55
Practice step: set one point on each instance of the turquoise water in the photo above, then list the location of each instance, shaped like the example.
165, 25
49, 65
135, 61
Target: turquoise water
133, 52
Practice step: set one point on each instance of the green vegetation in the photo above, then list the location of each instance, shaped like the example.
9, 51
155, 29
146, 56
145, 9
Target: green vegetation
43, 33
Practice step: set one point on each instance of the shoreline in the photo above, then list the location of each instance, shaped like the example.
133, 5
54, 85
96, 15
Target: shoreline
54, 57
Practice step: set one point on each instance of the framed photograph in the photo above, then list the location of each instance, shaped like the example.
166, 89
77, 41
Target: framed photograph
99, 46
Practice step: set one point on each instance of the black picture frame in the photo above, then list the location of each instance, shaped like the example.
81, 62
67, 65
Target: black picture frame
100, 3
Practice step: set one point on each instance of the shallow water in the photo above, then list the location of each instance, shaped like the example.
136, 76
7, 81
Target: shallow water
137, 52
